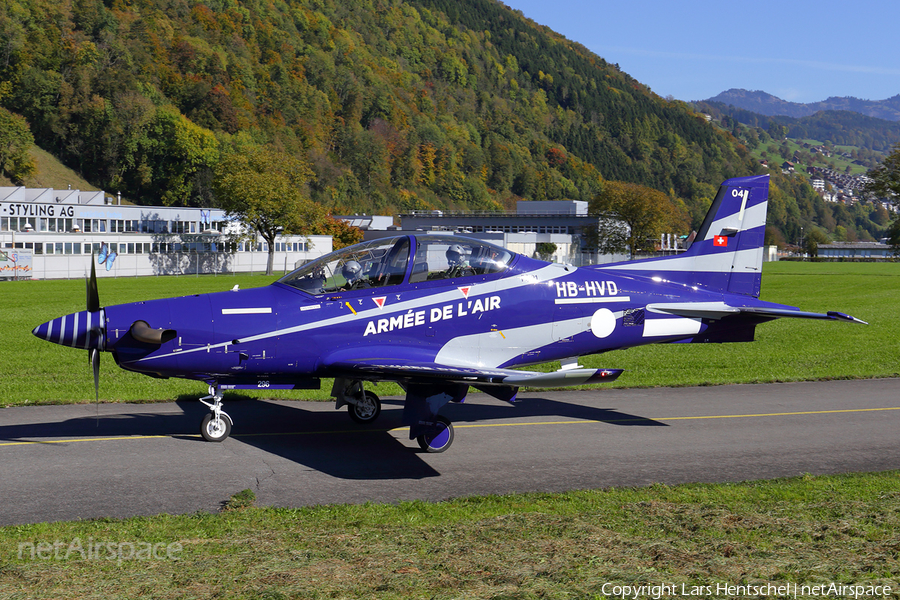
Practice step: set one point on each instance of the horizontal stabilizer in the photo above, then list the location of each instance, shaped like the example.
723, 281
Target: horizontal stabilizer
719, 310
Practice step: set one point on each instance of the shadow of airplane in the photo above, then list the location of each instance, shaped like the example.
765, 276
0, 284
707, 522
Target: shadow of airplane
321, 439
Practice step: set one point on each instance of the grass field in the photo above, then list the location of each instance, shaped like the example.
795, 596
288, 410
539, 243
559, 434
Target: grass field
36, 372
696, 539
807, 531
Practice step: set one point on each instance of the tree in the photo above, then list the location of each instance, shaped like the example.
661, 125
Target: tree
885, 179
646, 213
815, 237
894, 237
342, 233
265, 189
15, 141
545, 250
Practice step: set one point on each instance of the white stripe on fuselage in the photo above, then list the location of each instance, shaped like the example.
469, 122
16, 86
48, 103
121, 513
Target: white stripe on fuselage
490, 349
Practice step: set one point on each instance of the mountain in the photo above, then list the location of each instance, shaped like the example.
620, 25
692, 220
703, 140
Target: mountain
396, 105
769, 105
839, 127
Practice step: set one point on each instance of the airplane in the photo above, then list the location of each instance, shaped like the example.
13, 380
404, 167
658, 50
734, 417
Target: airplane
440, 314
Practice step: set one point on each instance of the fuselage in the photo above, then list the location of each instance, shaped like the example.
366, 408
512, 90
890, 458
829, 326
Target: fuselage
529, 312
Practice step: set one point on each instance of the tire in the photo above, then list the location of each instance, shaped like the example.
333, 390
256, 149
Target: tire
439, 438
215, 432
367, 409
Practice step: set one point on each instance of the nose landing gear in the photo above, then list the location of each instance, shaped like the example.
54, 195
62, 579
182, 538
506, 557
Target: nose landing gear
216, 426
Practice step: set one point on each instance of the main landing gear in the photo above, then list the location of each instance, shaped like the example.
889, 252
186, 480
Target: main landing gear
362, 405
216, 426
438, 437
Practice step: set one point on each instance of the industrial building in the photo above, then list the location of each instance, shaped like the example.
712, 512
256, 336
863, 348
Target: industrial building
51, 234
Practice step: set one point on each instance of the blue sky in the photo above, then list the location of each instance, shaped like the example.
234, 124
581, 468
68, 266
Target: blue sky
800, 51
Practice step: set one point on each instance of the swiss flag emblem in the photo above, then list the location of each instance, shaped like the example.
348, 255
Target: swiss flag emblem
720, 240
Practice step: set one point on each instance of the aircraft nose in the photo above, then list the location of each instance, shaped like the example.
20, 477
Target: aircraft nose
79, 330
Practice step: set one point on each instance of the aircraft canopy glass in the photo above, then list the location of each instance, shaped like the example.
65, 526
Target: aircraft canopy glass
384, 262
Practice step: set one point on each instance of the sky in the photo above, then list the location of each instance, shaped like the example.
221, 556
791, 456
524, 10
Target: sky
800, 51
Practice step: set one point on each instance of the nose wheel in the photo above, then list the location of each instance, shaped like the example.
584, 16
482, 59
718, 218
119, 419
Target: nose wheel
215, 429
216, 426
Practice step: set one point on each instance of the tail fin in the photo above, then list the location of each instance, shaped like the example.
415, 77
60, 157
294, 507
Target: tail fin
727, 253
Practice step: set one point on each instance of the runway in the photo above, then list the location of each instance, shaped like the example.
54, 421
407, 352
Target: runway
63, 462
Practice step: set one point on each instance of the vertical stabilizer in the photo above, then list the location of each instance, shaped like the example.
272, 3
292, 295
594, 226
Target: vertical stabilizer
727, 253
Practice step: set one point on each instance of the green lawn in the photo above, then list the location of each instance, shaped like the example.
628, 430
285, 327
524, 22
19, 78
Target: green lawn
806, 531
36, 372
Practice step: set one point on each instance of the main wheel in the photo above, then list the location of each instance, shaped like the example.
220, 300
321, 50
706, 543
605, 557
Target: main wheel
214, 430
367, 409
439, 437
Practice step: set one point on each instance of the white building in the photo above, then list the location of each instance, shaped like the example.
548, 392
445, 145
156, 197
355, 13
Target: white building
61, 228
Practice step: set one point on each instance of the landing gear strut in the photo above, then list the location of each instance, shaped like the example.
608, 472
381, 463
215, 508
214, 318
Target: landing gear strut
363, 406
216, 426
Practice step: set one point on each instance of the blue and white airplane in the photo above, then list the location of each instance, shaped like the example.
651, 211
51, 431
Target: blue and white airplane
439, 314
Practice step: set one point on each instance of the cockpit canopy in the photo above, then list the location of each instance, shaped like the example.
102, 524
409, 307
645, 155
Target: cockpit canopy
387, 262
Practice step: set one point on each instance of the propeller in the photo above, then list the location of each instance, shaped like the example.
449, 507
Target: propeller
93, 305
86, 330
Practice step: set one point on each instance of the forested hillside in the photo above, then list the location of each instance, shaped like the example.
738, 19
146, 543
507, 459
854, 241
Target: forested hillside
840, 127
396, 105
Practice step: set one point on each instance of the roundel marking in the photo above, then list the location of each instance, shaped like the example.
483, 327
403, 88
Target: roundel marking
603, 323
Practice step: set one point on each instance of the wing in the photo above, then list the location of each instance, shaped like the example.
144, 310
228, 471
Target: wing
411, 370
720, 310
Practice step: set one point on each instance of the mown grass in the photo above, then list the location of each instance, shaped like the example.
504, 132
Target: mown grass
36, 372
805, 531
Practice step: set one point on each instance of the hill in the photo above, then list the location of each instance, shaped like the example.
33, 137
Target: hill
838, 127
50, 173
769, 105
396, 105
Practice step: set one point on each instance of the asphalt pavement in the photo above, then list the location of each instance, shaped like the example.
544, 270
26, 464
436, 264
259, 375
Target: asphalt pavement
66, 462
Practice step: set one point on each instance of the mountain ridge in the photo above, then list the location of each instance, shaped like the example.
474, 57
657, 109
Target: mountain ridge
769, 105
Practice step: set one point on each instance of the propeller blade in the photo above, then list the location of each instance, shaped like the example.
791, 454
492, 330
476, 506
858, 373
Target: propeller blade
95, 363
93, 297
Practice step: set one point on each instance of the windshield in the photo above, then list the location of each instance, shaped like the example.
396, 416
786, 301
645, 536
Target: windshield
368, 265
449, 257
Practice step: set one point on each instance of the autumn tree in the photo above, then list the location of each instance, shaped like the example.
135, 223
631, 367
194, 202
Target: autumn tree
342, 233
15, 141
265, 189
645, 213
